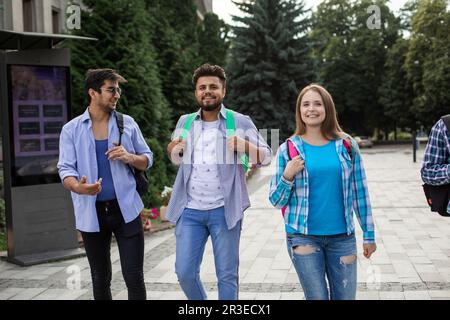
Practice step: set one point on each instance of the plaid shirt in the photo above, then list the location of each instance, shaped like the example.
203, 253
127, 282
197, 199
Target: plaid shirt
294, 194
436, 162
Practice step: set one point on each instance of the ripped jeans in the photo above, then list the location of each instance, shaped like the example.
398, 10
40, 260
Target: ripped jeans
322, 259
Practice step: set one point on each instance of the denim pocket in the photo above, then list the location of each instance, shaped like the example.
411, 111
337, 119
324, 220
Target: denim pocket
179, 222
177, 227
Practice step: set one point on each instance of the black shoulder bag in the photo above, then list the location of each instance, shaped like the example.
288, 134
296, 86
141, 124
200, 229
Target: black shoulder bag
439, 196
140, 176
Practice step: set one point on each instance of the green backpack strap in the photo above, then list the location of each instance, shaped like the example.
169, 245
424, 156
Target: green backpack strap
230, 127
187, 125
231, 131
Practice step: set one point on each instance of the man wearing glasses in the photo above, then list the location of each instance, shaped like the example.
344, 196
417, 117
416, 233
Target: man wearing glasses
96, 170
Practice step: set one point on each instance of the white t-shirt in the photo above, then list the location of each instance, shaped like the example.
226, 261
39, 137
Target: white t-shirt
204, 189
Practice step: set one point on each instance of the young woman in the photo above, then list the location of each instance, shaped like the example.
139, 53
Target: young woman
321, 187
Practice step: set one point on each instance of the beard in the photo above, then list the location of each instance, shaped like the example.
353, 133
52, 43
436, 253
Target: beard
107, 107
210, 107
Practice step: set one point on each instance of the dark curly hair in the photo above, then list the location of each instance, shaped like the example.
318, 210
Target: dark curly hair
208, 70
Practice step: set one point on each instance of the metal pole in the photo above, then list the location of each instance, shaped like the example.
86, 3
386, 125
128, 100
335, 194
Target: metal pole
414, 138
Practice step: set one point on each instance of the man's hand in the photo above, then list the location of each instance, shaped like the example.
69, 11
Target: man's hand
82, 187
237, 144
119, 153
293, 167
368, 249
176, 148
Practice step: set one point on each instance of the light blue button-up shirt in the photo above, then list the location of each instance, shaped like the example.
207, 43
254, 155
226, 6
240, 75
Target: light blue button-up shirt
77, 158
231, 172
295, 194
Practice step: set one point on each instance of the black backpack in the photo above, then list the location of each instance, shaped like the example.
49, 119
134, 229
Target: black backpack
439, 196
141, 178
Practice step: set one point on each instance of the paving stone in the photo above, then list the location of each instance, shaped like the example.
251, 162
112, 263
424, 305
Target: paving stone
439, 294
431, 277
417, 295
392, 295
268, 296
367, 295
60, 294
28, 294
420, 260
9, 293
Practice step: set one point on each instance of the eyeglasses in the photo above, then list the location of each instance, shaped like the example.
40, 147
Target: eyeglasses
113, 90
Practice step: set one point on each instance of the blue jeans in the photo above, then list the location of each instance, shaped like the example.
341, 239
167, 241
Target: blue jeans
317, 258
192, 231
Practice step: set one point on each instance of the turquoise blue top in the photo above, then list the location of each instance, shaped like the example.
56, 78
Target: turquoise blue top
104, 171
326, 198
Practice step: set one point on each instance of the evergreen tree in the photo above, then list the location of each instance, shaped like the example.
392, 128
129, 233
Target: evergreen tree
175, 26
428, 61
213, 40
270, 61
123, 31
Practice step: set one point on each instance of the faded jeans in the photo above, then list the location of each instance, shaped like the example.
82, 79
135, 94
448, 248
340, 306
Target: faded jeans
322, 259
192, 231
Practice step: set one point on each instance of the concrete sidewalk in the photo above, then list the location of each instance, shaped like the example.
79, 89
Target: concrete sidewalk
412, 260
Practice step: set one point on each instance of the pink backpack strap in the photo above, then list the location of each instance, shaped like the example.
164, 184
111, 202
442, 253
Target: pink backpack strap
292, 153
348, 146
292, 150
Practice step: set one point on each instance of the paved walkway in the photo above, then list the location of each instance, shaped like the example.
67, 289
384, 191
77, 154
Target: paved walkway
412, 260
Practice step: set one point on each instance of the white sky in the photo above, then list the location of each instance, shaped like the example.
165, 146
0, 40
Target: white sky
225, 8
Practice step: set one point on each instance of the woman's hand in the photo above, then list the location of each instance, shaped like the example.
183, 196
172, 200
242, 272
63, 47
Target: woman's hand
293, 167
368, 249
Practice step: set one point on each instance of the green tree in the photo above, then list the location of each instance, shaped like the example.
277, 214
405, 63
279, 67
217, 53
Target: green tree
175, 26
213, 40
395, 92
123, 31
270, 61
428, 61
331, 37
370, 46
349, 56
407, 12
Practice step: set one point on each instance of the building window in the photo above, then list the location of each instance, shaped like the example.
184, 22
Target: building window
28, 15
55, 21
